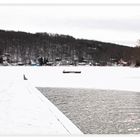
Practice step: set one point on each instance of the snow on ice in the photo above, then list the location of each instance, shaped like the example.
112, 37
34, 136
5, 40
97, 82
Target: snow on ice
112, 78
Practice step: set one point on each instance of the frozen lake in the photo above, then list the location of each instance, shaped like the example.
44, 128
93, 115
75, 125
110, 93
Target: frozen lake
116, 78
79, 96
98, 111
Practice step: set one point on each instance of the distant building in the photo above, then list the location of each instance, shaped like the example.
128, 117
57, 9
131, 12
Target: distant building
123, 63
5, 59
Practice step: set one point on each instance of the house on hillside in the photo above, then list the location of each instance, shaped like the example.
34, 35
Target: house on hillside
5, 59
122, 63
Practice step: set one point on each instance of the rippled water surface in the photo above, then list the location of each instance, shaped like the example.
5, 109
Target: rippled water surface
98, 111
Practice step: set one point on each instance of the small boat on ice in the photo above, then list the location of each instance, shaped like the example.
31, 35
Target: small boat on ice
71, 71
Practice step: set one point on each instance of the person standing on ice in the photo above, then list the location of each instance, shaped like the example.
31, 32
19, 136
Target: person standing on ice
24, 77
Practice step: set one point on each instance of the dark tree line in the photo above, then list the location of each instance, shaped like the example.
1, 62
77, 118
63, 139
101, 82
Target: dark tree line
25, 47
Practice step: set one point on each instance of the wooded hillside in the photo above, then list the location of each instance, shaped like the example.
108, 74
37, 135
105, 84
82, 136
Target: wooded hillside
61, 49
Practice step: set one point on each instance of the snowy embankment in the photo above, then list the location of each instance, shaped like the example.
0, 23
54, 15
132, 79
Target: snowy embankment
112, 78
25, 111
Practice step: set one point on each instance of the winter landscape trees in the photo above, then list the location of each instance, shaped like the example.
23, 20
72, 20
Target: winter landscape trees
52, 49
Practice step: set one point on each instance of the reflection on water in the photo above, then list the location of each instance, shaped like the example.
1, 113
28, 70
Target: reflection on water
98, 111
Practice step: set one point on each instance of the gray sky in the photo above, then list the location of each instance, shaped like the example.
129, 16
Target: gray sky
117, 24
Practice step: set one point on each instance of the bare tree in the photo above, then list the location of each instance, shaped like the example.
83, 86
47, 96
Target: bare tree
138, 43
